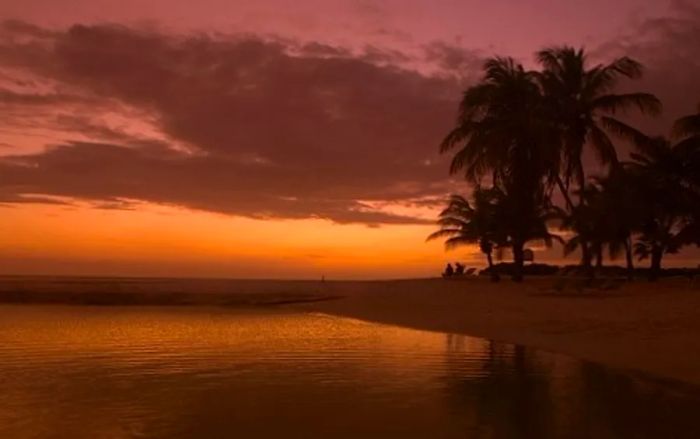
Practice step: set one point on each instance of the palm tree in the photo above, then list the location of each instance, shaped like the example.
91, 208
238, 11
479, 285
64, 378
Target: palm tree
687, 131
620, 206
463, 224
607, 218
688, 126
501, 122
582, 104
492, 222
662, 173
502, 133
523, 224
583, 221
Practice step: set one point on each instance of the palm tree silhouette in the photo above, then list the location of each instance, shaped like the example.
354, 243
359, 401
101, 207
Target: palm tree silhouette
503, 134
582, 104
687, 131
524, 133
688, 127
619, 205
608, 218
490, 222
667, 174
463, 224
583, 221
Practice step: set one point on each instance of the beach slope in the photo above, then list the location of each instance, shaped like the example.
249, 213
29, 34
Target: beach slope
654, 328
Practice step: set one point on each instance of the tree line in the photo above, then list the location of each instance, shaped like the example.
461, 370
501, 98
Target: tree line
520, 139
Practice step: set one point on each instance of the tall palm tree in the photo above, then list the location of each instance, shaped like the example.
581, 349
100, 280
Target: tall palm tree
582, 103
463, 223
661, 171
687, 132
501, 122
502, 134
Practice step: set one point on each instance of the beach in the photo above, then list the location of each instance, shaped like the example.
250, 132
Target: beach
652, 328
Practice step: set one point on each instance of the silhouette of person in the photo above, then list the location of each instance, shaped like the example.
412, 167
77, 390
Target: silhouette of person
449, 271
459, 269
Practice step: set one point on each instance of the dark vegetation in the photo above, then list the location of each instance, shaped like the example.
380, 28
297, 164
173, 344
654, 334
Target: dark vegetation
520, 138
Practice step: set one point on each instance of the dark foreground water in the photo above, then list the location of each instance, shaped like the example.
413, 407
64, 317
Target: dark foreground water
190, 372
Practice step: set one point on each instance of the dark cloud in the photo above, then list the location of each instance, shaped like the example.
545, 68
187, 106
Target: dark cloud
264, 127
10, 97
274, 131
669, 48
378, 55
14, 28
106, 173
12, 198
454, 59
315, 48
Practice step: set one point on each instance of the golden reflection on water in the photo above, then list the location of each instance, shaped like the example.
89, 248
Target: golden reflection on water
179, 337
83, 372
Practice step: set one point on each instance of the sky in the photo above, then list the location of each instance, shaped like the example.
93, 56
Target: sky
249, 139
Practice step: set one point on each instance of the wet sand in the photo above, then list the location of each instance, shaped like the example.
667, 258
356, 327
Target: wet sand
653, 328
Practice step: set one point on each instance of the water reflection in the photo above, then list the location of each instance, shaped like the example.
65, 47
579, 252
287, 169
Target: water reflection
113, 372
544, 395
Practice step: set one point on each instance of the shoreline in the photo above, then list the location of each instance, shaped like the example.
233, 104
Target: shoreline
650, 328
653, 329
112, 291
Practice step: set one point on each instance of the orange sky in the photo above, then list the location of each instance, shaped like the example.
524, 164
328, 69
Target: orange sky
163, 241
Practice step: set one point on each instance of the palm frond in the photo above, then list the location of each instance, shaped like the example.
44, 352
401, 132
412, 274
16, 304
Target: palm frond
626, 66
625, 131
603, 147
443, 233
458, 241
549, 58
612, 103
687, 126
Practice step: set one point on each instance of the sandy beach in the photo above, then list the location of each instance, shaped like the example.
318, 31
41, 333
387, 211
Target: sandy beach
653, 328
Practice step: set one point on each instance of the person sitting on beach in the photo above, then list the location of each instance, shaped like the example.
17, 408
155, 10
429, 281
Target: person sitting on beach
449, 271
459, 269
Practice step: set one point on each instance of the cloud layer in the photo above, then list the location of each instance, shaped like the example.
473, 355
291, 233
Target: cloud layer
231, 124
258, 127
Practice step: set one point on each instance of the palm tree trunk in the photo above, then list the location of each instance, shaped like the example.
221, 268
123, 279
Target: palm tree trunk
599, 257
628, 257
492, 271
655, 269
586, 253
518, 261
586, 258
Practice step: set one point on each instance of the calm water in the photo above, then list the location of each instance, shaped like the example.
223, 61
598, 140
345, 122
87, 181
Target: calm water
133, 372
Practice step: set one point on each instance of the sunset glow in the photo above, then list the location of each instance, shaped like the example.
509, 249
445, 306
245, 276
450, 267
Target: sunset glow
245, 139
163, 241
